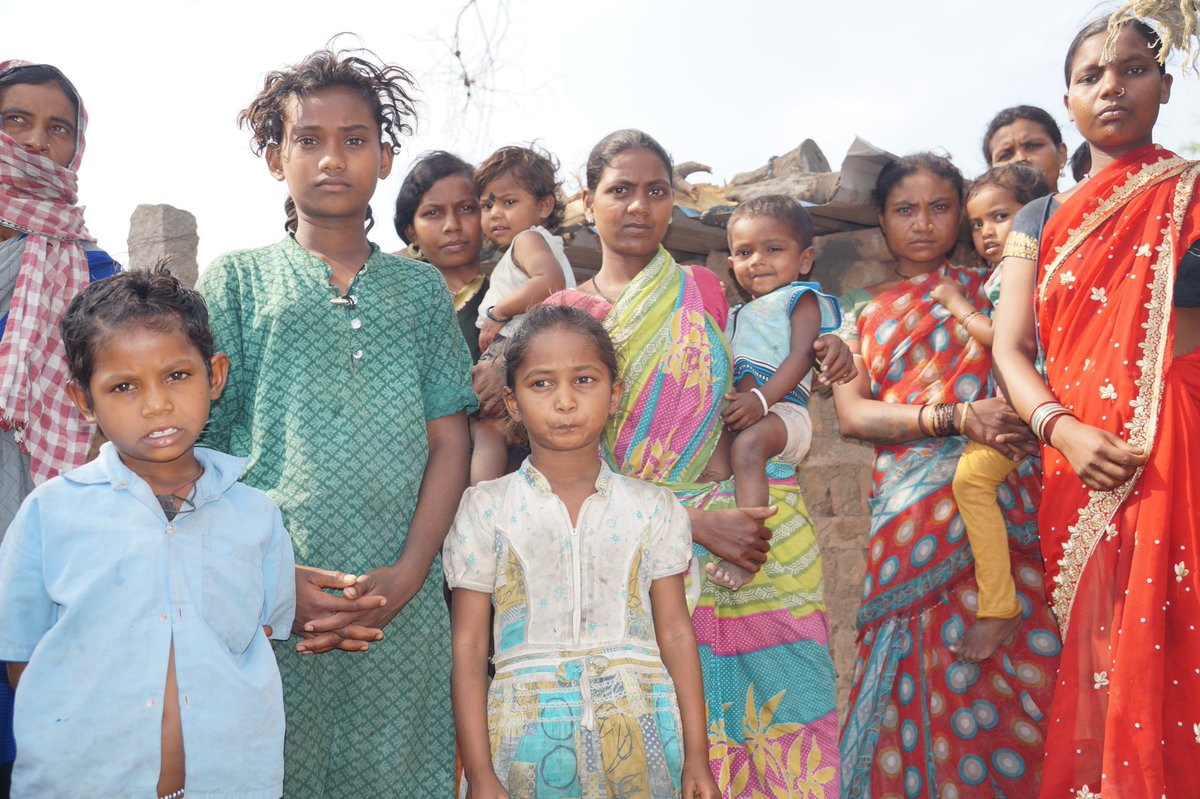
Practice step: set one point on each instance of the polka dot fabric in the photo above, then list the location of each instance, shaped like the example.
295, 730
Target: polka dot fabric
922, 723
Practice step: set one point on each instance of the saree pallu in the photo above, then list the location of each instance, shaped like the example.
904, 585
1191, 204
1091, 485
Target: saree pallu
921, 722
764, 650
1122, 565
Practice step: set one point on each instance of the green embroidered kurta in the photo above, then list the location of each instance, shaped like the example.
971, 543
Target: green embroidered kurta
329, 403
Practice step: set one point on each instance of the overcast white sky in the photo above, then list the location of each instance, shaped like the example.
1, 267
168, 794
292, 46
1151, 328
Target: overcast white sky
725, 83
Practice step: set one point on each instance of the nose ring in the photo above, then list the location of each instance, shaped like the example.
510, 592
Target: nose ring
1122, 92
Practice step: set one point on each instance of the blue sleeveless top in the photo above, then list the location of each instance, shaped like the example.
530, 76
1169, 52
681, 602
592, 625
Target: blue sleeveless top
760, 333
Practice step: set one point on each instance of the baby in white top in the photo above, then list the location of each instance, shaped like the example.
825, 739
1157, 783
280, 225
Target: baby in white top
520, 201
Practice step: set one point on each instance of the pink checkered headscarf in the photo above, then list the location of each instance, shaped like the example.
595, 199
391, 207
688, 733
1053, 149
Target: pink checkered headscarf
37, 197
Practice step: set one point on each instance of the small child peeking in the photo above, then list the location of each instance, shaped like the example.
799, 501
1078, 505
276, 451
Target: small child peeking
135, 590
992, 204
597, 689
773, 338
521, 203
520, 199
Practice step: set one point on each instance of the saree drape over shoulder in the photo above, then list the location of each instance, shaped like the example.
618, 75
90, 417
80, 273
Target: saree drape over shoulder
768, 677
921, 722
1122, 566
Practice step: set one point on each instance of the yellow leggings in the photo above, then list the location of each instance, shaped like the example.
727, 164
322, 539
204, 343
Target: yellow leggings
981, 470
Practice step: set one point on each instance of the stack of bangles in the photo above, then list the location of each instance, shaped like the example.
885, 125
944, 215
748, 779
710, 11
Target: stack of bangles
943, 420
966, 318
1039, 420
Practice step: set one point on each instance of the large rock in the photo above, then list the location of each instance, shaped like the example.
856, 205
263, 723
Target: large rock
163, 230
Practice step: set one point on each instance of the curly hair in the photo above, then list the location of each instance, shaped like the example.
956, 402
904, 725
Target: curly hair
1024, 182
388, 89
136, 298
534, 168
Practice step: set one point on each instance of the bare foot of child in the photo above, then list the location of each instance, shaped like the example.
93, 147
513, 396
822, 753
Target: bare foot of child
728, 575
983, 638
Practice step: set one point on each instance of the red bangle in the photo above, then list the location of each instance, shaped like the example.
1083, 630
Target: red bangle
1033, 413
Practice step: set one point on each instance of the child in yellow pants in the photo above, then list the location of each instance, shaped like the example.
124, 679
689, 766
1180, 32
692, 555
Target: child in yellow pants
992, 204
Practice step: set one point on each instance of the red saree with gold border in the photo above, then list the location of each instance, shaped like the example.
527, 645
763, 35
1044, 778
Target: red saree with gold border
1121, 566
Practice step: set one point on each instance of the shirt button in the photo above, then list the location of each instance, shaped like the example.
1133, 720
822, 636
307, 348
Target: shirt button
356, 323
170, 528
358, 354
163, 617
121, 484
151, 702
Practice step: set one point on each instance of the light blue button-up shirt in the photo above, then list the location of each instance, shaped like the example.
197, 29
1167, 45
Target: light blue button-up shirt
95, 584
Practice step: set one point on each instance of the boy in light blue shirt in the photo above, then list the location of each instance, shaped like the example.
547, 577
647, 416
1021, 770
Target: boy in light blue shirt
135, 590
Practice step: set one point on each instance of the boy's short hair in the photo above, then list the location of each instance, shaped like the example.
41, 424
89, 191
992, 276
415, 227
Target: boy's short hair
785, 209
152, 299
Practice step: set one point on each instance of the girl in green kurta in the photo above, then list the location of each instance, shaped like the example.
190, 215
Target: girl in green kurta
348, 392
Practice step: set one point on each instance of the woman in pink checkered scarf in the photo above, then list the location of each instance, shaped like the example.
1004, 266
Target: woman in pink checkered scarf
46, 258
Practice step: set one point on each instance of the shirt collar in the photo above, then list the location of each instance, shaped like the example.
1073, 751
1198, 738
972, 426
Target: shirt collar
221, 471
541, 486
307, 263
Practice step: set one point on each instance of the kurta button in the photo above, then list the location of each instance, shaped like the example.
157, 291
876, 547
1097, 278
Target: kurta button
121, 484
357, 354
170, 528
356, 323
151, 702
163, 617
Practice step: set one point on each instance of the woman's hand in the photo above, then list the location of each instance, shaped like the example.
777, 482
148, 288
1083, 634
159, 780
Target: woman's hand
487, 381
1102, 460
383, 593
738, 535
993, 423
835, 360
336, 611
743, 410
698, 781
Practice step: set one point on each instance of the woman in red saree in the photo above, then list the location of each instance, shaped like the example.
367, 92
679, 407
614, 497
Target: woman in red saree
1115, 310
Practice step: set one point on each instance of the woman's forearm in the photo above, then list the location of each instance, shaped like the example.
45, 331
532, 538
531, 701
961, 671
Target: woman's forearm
874, 421
1015, 348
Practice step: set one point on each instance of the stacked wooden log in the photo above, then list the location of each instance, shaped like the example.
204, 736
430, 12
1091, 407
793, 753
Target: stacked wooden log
839, 201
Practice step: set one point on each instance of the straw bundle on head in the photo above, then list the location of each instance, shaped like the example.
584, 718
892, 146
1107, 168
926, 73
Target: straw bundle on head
1177, 22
